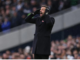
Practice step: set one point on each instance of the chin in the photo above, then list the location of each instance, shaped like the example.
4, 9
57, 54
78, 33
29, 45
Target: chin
41, 15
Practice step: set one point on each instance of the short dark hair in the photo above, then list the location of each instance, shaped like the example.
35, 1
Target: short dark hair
44, 6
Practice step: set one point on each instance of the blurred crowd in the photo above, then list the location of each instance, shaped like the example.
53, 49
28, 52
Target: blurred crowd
13, 12
66, 49
63, 49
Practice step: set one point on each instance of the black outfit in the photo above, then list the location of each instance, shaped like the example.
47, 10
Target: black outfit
40, 56
41, 43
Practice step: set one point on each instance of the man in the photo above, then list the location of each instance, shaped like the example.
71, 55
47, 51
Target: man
44, 24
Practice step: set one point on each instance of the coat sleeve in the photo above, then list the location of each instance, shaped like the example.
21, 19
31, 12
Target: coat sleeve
30, 19
50, 21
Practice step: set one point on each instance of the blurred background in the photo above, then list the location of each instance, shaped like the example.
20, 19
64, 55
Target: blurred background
16, 36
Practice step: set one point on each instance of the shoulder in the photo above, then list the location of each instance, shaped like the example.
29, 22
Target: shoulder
49, 17
52, 18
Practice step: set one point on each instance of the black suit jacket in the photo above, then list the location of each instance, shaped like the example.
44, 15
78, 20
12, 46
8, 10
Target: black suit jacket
41, 43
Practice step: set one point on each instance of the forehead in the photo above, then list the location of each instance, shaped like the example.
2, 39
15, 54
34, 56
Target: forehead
43, 7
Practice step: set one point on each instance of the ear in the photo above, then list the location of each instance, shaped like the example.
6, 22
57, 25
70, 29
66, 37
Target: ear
46, 13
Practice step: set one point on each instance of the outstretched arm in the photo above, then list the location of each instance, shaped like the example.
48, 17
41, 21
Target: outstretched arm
30, 18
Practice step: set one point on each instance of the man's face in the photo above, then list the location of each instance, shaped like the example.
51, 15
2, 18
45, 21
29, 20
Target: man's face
42, 11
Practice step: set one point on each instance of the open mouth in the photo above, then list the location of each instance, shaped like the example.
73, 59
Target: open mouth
40, 12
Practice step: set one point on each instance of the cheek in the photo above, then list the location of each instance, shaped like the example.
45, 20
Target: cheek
43, 12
